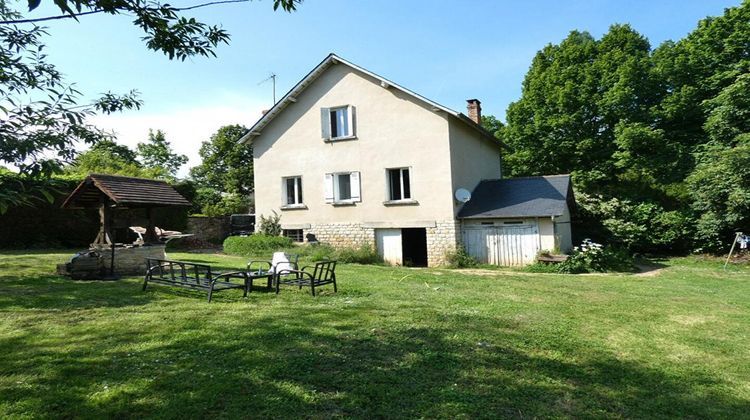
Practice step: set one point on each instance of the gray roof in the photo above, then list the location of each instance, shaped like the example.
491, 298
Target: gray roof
538, 196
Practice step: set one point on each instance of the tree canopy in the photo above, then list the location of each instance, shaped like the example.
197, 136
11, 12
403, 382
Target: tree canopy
649, 135
227, 165
157, 153
42, 119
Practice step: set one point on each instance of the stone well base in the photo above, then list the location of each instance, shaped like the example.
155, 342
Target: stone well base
129, 261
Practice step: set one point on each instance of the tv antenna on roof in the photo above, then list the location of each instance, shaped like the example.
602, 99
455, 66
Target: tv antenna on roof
272, 78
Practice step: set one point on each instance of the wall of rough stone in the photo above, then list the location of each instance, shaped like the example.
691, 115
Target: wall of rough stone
207, 229
342, 234
130, 261
441, 239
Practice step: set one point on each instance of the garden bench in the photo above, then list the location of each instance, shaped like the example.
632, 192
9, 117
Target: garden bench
193, 276
323, 272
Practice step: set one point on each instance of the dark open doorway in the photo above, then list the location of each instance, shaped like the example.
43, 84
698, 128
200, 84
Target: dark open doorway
414, 246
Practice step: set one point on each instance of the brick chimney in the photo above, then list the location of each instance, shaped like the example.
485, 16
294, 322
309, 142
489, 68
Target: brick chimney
475, 110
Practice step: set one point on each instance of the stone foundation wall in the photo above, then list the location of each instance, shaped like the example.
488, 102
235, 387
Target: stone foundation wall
129, 261
342, 234
442, 239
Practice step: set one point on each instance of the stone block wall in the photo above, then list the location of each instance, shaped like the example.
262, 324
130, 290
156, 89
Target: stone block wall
207, 229
129, 261
442, 239
342, 234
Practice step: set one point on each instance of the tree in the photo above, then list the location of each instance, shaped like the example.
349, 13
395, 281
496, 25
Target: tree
720, 187
108, 157
157, 154
574, 96
656, 140
166, 30
493, 125
227, 165
41, 119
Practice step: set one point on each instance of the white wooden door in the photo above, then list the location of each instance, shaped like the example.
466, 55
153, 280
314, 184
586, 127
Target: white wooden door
514, 245
389, 245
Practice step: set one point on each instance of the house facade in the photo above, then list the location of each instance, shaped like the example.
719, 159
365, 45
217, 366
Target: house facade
348, 157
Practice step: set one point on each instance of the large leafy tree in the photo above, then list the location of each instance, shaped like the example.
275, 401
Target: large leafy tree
650, 136
227, 165
157, 153
109, 157
575, 97
42, 118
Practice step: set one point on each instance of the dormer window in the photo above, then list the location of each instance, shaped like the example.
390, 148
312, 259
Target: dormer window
338, 123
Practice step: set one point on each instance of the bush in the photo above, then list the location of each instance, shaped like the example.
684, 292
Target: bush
460, 258
539, 267
318, 252
364, 254
270, 225
593, 257
255, 244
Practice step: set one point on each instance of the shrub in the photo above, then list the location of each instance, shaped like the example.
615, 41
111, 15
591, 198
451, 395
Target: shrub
364, 254
539, 267
460, 258
270, 225
593, 257
255, 244
318, 252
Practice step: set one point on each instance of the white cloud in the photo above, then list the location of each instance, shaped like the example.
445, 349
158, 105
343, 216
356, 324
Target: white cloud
184, 128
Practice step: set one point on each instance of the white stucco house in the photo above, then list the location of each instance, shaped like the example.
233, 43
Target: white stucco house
348, 157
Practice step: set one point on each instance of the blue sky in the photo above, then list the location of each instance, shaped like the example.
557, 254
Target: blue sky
447, 51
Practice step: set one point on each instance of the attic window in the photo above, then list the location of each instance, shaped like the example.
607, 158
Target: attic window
338, 123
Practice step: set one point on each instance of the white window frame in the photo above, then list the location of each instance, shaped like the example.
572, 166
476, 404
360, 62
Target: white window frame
332, 193
351, 123
389, 192
298, 196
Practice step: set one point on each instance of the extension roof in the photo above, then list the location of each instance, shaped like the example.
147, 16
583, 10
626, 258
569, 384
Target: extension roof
333, 59
125, 192
538, 196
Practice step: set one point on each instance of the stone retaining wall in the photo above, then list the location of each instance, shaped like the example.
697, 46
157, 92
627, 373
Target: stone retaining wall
207, 229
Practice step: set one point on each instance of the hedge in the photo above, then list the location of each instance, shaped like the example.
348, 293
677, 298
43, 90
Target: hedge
255, 244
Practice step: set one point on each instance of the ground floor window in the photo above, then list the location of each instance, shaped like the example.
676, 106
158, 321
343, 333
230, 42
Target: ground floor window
294, 234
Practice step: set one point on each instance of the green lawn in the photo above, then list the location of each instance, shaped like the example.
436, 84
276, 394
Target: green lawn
394, 342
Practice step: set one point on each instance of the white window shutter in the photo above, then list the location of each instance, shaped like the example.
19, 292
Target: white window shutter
325, 123
356, 195
328, 188
352, 120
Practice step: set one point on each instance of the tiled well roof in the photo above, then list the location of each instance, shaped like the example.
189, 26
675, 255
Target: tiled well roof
124, 191
539, 196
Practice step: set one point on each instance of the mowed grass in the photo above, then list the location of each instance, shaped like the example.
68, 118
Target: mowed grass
393, 342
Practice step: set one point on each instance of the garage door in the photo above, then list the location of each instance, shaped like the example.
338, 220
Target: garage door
502, 245
389, 245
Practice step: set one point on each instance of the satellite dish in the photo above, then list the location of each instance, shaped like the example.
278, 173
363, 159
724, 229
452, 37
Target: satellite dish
463, 195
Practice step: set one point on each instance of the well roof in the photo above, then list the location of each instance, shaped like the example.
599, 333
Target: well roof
124, 191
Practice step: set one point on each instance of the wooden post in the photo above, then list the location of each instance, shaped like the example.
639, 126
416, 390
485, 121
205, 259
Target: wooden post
150, 237
104, 236
736, 237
